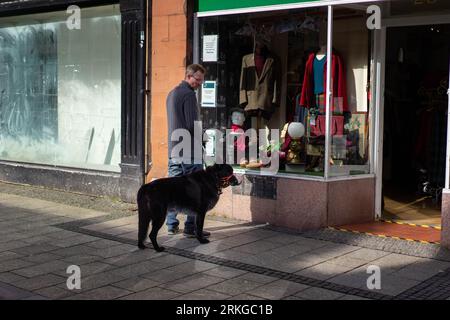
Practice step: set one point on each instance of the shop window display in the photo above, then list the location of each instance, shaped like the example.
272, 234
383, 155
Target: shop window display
272, 67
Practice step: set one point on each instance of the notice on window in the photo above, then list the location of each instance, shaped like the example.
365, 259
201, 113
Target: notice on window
210, 48
209, 94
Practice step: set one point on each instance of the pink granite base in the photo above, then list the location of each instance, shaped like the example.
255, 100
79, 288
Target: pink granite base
351, 201
304, 204
445, 232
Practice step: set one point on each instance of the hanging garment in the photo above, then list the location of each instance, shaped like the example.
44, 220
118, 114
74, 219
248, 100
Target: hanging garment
259, 92
339, 101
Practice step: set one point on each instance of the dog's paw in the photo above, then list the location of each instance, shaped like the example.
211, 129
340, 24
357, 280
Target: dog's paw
142, 246
160, 249
203, 240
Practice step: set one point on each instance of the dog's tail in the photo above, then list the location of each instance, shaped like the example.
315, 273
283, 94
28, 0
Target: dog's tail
144, 219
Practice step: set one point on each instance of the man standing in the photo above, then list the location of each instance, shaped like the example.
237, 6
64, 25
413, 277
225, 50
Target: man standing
182, 111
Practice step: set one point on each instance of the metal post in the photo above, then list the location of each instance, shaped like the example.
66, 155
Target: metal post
447, 163
329, 93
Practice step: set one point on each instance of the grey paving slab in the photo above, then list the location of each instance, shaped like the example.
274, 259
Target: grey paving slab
10, 265
347, 262
39, 282
261, 234
35, 240
103, 243
258, 247
212, 247
98, 280
63, 234
334, 250
139, 268
15, 235
351, 297
278, 289
41, 269
152, 294
318, 294
9, 255
293, 298
191, 283
299, 262
35, 297
35, 249
56, 293
356, 278
417, 273
171, 260
392, 285
82, 259
242, 239
193, 266
10, 292
324, 271
136, 284
73, 241
95, 267
115, 251
287, 251
255, 277
224, 272
104, 293
164, 275
203, 294
366, 254
245, 297
234, 286
393, 262
42, 257
13, 246
133, 257
9, 277
81, 249
284, 238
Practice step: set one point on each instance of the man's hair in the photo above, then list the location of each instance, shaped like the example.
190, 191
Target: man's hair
193, 68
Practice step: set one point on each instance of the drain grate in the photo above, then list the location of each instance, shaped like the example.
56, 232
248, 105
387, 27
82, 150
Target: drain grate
434, 288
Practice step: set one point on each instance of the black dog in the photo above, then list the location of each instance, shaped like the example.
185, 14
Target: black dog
196, 193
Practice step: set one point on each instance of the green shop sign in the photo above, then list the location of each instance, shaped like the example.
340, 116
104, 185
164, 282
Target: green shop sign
216, 5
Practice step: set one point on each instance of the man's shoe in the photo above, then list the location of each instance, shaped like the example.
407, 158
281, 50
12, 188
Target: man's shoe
192, 234
173, 231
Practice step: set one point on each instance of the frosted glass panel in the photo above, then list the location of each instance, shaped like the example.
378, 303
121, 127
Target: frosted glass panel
60, 89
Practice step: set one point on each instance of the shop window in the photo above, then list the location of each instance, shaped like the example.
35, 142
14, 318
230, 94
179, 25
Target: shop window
60, 89
350, 125
270, 69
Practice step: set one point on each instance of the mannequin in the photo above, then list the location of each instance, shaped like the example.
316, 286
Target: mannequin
237, 129
259, 86
313, 95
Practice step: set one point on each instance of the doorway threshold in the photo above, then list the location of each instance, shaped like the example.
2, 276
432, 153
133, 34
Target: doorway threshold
399, 231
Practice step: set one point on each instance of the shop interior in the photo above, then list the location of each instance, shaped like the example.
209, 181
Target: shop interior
415, 123
281, 45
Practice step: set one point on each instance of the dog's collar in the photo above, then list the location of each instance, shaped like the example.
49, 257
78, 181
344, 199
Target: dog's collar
223, 183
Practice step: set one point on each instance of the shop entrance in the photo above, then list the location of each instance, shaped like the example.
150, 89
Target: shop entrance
415, 123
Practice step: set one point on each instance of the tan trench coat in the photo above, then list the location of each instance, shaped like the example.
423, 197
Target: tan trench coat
259, 92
